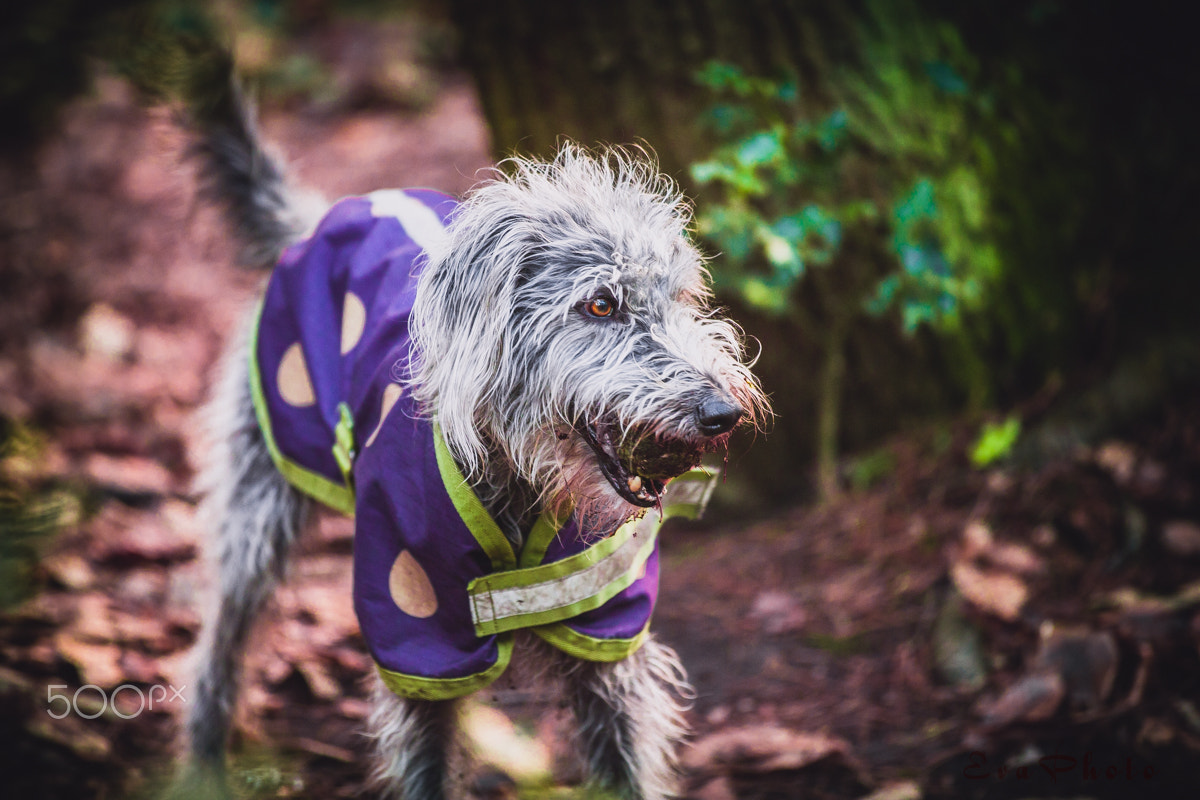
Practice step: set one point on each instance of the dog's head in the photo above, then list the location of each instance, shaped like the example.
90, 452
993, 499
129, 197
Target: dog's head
566, 330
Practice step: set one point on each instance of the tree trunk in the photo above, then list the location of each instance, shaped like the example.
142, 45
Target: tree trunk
829, 412
622, 71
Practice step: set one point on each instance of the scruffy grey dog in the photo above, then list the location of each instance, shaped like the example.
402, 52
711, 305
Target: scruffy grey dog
566, 316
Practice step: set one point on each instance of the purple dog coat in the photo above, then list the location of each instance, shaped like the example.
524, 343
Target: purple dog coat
438, 589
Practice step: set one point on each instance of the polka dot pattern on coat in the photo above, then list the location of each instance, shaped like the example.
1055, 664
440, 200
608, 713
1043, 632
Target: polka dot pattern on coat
411, 588
390, 395
354, 321
293, 380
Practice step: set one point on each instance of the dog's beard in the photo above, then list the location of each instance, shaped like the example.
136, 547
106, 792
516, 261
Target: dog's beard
598, 507
571, 476
562, 477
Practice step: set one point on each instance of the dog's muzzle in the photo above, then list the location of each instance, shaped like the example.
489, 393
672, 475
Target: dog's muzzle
639, 466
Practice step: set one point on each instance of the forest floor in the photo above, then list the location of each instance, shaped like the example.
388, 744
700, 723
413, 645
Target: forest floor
943, 632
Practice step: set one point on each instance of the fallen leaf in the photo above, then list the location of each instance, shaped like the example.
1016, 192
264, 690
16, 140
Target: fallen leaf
134, 475
1127, 597
105, 332
1181, 537
1032, 698
1015, 558
354, 661
762, 748
778, 612
1044, 535
143, 586
324, 749
900, 790
353, 708
1118, 459
320, 682
99, 664
126, 534
980, 544
996, 593
70, 570
719, 788
1086, 660
977, 539
94, 618
177, 667
719, 715
1156, 732
181, 519
275, 669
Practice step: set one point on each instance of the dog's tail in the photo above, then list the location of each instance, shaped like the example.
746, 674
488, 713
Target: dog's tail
236, 171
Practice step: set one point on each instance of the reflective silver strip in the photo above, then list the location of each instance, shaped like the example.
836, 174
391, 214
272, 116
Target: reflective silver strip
686, 495
549, 596
693, 489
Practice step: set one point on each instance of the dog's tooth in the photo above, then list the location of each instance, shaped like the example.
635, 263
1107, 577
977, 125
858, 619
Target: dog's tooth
634, 483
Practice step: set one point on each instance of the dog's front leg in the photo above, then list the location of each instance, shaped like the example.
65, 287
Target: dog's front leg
413, 742
630, 718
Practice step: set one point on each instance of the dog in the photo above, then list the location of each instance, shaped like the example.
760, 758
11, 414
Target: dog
509, 393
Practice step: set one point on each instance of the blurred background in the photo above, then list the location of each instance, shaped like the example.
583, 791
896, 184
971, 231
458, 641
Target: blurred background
961, 237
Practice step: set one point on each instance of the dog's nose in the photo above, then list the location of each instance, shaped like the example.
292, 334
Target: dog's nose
717, 415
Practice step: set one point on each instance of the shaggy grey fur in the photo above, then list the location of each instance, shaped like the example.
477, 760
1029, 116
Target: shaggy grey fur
538, 393
256, 516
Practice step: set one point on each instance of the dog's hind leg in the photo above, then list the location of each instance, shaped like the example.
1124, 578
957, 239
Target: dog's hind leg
413, 744
256, 516
630, 718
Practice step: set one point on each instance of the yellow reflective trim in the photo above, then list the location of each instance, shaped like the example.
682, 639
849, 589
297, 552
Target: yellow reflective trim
478, 521
539, 539
541, 596
589, 648
542, 573
421, 688
338, 497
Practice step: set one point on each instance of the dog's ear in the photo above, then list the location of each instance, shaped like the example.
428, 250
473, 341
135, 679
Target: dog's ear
461, 317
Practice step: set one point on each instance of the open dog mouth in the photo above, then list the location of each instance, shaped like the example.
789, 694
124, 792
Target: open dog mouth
640, 473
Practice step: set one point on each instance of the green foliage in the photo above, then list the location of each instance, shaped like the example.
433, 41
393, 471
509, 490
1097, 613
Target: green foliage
776, 174
28, 517
916, 108
785, 178
46, 50
23, 528
996, 441
868, 470
870, 190
863, 192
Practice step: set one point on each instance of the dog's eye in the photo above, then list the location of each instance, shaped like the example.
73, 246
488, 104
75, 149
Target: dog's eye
601, 306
